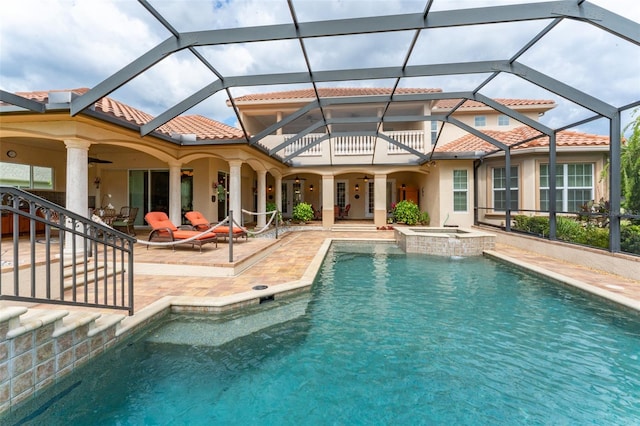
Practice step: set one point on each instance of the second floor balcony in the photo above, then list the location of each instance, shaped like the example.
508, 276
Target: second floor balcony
312, 148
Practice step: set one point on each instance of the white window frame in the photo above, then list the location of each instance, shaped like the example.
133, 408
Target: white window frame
461, 190
503, 120
563, 187
9, 171
514, 197
480, 121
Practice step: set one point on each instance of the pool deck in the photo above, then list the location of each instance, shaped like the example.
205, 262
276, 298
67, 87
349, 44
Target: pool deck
162, 274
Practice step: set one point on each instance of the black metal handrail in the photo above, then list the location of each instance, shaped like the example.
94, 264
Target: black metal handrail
51, 255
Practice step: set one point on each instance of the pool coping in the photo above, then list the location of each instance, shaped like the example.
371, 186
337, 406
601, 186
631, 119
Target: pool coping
610, 296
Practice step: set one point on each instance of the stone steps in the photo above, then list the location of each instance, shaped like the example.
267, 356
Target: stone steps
359, 227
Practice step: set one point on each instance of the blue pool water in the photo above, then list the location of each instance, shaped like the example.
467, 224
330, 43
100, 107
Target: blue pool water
384, 338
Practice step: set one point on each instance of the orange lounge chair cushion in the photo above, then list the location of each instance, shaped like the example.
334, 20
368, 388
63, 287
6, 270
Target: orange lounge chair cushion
225, 230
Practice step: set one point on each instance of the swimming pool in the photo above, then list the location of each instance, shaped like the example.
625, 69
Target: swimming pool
384, 338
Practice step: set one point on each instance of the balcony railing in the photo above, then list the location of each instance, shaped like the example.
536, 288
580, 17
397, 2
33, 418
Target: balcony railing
303, 142
412, 138
358, 145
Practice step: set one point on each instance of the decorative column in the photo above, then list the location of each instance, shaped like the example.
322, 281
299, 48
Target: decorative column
380, 200
235, 189
328, 201
175, 198
278, 189
262, 197
77, 189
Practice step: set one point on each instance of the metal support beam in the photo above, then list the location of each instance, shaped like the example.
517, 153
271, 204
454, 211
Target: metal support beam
615, 182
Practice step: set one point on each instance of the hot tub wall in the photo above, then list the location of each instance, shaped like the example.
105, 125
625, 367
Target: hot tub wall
441, 244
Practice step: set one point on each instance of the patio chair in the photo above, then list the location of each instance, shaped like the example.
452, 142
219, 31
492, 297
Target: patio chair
125, 220
345, 211
200, 223
162, 230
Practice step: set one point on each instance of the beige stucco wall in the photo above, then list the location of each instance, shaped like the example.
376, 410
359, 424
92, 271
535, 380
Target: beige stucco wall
529, 179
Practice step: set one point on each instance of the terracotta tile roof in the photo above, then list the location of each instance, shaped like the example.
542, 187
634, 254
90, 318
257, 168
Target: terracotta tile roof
330, 92
202, 127
471, 142
447, 104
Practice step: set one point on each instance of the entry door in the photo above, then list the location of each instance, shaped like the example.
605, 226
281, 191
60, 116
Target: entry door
292, 195
342, 193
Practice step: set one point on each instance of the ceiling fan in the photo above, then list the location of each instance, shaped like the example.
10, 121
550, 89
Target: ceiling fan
96, 160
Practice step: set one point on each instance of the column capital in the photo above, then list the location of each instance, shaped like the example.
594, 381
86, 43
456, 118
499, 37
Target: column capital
235, 163
77, 143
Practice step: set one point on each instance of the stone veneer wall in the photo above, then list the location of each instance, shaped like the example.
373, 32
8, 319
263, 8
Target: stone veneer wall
39, 347
440, 244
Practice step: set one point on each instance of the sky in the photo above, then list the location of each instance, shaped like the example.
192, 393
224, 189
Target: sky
67, 44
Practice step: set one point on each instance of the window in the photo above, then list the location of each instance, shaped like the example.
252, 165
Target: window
460, 187
26, 176
574, 186
503, 120
434, 132
500, 188
480, 121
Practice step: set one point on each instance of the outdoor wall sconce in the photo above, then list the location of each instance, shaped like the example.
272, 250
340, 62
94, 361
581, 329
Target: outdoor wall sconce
357, 187
311, 188
97, 182
297, 180
270, 188
404, 186
366, 178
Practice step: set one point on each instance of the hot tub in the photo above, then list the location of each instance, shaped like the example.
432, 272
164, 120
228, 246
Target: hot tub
444, 241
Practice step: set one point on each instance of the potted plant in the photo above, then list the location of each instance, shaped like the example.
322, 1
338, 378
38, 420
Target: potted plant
302, 212
406, 211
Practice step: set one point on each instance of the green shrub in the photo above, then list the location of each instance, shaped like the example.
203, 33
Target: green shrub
568, 229
594, 236
424, 219
302, 212
406, 211
630, 238
538, 225
271, 206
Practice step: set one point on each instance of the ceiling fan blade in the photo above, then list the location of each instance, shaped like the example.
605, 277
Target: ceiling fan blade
99, 161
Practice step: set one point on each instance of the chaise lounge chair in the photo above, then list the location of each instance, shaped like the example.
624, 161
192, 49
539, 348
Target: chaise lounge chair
164, 230
200, 223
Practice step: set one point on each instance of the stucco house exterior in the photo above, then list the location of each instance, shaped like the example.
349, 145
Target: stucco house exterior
98, 157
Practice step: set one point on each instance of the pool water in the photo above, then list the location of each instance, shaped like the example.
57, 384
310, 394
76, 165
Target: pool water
384, 338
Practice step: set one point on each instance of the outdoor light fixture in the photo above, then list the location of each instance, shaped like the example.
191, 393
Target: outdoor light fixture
97, 181
311, 188
357, 187
366, 178
404, 186
297, 179
270, 188
12, 154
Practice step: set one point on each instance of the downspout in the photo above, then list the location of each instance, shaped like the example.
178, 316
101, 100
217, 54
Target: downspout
476, 166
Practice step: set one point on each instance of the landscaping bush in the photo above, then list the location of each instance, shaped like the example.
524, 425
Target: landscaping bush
538, 225
630, 238
568, 229
302, 212
271, 206
406, 211
424, 219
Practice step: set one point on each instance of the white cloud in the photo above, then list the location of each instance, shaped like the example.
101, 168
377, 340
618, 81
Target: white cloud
52, 44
